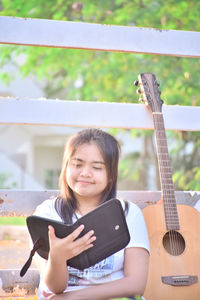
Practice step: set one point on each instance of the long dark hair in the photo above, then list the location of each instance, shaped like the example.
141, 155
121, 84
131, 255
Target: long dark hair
66, 203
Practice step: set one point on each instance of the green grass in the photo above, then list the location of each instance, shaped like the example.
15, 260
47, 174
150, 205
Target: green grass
19, 221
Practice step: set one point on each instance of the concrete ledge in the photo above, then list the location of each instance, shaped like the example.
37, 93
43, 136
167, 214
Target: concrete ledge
12, 232
10, 281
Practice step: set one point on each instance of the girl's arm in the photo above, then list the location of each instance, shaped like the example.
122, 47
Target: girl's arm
61, 250
134, 281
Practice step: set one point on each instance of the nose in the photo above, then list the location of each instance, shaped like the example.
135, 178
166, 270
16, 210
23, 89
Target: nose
86, 172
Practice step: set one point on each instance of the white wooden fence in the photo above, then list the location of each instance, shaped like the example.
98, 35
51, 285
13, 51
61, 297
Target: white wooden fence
49, 33
62, 34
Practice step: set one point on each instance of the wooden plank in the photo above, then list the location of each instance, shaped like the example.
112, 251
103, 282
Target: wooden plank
23, 203
96, 114
65, 34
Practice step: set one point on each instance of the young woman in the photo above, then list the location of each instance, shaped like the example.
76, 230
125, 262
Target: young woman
88, 178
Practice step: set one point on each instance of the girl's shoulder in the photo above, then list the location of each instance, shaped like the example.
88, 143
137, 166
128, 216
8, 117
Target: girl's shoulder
133, 212
132, 208
47, 210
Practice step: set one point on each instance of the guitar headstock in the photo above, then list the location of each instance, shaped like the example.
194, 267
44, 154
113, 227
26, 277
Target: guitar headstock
149, 90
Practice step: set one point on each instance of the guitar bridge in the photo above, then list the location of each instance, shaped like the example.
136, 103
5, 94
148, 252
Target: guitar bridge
179, 280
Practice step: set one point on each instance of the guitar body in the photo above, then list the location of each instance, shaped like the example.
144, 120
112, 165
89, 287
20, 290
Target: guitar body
164, 264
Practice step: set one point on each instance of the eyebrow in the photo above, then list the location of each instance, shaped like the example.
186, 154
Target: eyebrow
94, 162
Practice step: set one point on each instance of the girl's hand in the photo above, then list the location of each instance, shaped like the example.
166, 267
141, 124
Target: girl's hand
70, 246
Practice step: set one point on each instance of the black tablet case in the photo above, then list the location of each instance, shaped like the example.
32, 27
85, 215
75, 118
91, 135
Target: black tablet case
109, 225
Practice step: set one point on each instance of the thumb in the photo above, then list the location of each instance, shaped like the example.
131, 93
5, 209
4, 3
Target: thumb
51, 232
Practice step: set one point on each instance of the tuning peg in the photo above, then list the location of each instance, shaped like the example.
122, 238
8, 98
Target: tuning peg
139, 91
136, 82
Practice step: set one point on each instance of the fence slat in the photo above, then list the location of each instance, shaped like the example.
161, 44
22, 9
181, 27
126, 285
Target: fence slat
22, 202
66, 34
95, 114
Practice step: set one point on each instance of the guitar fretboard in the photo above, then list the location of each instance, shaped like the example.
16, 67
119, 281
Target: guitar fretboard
167, 187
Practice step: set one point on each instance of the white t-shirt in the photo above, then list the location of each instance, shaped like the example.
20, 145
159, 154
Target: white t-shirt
197, 205
110, 268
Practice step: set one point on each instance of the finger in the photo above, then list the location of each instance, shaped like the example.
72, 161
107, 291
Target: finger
83, 244
86, 240
89, 242
75, 233
89, 235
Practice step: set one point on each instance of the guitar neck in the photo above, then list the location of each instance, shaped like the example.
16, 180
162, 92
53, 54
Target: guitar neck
167, 187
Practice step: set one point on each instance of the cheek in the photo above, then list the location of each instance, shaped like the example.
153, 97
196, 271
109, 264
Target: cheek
106, 181
69, 175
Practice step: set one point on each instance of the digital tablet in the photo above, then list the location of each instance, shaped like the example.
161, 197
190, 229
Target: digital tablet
108, 222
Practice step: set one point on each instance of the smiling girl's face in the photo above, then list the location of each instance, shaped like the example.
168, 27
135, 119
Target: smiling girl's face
86, 173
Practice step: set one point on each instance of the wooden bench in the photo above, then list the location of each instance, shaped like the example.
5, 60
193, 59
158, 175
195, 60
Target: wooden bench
23, 203
48, 33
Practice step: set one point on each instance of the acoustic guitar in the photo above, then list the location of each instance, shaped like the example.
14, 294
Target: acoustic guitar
174, 230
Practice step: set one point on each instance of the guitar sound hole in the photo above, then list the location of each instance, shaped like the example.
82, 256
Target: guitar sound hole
174, 243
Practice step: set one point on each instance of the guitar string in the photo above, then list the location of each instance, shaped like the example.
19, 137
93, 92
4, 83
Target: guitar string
177, 245
161, 173
168, 206
173, 235
175, 242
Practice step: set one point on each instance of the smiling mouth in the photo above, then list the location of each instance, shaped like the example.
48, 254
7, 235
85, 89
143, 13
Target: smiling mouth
84, 182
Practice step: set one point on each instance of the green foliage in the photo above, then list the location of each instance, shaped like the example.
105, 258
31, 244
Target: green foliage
186, 157
5, 181
106, 76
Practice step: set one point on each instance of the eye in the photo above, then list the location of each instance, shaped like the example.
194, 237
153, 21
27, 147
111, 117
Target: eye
98, 166
77, 165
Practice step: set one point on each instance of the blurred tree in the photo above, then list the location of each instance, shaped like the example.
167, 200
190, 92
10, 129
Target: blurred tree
6, 181
105, 76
